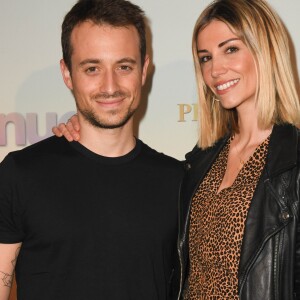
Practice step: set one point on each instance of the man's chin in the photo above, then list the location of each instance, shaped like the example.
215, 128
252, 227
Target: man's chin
111, 124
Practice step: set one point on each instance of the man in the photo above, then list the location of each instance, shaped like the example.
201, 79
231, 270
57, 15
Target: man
97, 218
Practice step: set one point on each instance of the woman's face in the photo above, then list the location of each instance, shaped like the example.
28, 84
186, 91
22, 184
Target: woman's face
227, 66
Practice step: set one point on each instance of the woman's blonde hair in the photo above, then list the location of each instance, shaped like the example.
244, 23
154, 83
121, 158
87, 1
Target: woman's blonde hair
263, 32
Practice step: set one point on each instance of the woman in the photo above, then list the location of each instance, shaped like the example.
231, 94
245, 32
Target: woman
239, 235
239, 231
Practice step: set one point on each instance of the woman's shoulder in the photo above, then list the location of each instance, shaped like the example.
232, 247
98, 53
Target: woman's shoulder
199, 152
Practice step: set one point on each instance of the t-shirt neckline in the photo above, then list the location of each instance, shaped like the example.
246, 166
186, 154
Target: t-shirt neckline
108, 160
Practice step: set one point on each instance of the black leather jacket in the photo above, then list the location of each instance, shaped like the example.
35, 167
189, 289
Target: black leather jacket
269, 267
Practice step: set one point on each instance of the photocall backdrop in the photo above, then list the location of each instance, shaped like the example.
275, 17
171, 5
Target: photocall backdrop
33, 97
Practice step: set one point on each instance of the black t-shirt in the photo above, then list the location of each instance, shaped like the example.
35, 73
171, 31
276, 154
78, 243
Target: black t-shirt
91, 227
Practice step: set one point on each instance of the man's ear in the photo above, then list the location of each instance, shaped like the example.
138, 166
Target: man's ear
66, 74
145, 68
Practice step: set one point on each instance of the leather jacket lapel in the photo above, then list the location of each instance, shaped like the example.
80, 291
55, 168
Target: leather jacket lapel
268, 212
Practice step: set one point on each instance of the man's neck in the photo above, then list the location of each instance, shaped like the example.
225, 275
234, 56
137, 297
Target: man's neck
108, 142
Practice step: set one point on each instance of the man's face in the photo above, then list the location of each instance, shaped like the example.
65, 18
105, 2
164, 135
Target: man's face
107, 74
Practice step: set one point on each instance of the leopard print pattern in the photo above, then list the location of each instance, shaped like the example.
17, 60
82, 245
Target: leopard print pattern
217, 226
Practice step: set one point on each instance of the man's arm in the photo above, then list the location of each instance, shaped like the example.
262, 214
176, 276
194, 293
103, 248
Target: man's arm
8, 258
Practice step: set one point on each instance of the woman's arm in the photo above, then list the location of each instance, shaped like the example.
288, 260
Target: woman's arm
70, 130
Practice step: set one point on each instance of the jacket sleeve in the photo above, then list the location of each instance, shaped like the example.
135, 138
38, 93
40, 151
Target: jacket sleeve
297, 250
297, 263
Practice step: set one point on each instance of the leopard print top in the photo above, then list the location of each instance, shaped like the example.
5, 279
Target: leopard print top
217, 226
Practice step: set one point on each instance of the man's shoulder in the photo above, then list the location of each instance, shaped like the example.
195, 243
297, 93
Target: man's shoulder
39, 158
159, 158
46, 148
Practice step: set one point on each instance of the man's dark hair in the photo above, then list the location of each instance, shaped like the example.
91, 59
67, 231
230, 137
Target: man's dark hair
116, 13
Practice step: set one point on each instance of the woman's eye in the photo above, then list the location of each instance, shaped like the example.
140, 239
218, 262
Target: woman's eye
231, 49
204, 59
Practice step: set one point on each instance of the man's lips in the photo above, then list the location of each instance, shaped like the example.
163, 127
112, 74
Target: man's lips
110, 102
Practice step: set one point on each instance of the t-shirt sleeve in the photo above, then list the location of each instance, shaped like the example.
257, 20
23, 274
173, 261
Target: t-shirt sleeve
10, 211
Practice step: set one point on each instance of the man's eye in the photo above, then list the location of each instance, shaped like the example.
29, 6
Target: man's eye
91, 69
125, 68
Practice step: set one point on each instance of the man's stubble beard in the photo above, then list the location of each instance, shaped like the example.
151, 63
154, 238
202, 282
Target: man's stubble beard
91, 117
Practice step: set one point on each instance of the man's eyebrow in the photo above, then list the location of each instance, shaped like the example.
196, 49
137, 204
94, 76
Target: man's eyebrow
89, 61
98, 61
127, 60
220, 45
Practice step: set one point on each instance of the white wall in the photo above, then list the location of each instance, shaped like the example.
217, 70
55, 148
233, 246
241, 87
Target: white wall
32, 88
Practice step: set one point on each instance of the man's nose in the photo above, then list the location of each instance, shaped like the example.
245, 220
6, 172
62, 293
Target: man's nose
109, 82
